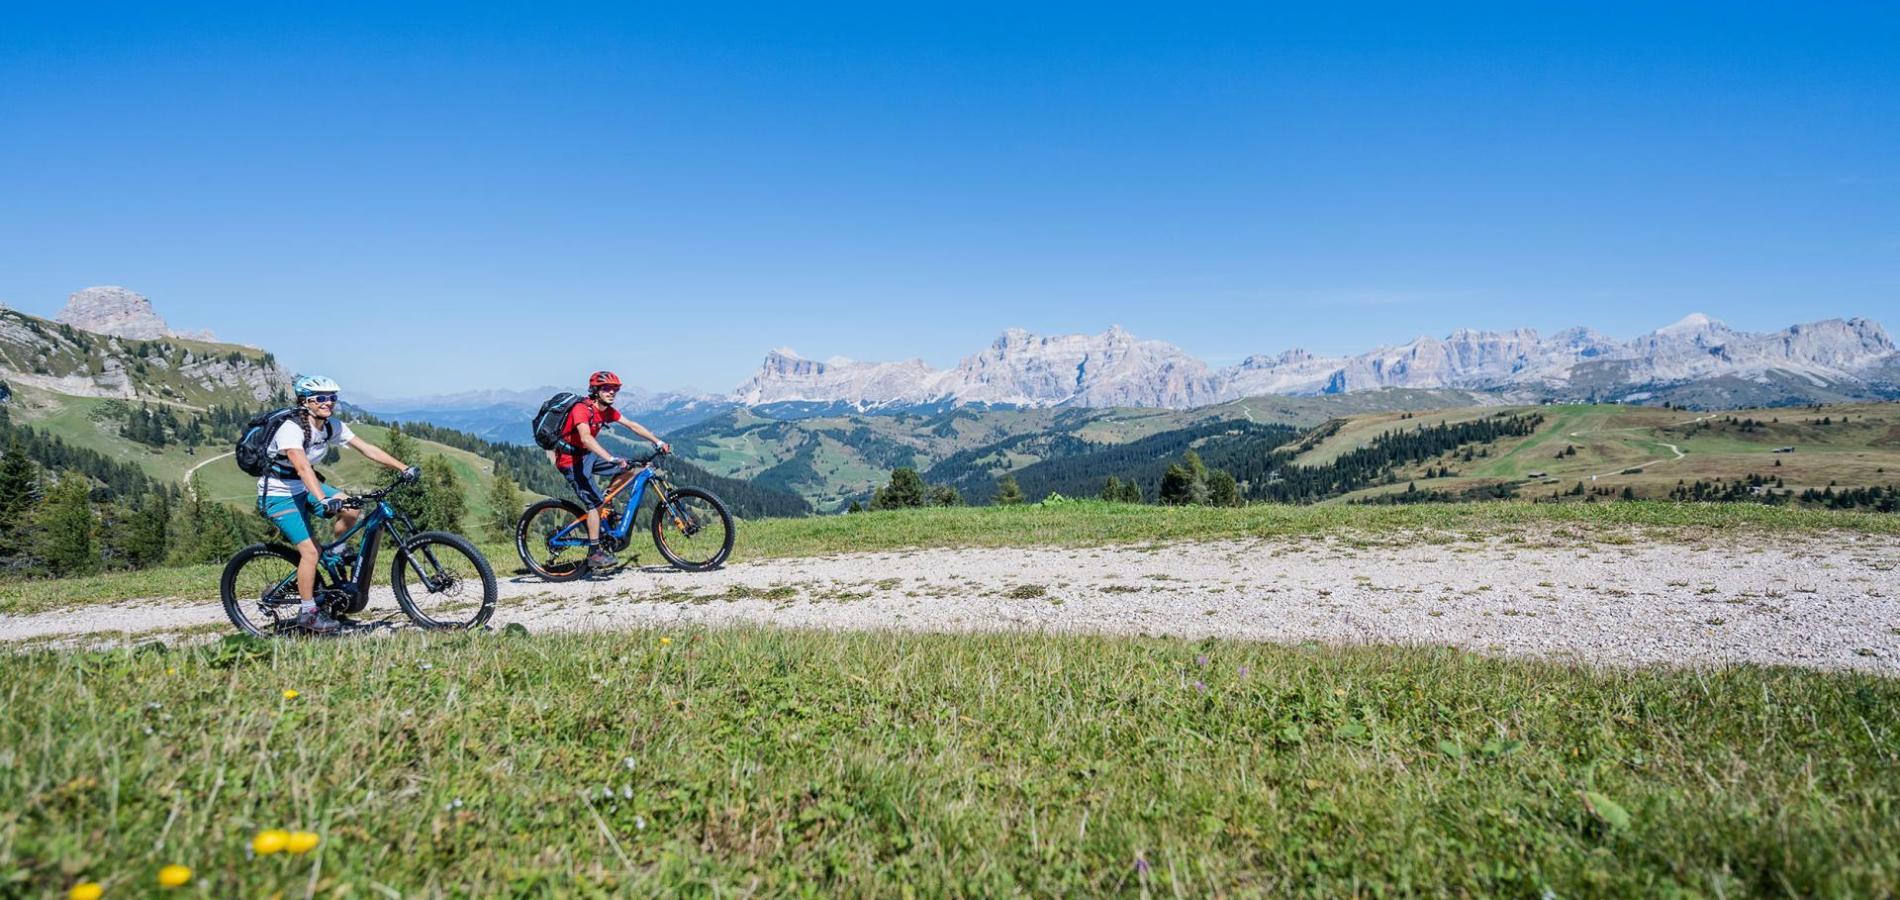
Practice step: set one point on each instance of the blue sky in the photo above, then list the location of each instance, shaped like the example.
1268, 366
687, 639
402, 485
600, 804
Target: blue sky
445, 197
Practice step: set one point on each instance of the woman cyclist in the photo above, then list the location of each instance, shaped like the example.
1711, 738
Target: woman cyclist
285, 491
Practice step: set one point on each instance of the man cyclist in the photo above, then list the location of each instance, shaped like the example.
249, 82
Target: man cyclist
286, 489
581, 458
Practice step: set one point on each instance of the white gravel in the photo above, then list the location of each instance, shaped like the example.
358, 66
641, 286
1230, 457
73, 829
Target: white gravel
1829, 601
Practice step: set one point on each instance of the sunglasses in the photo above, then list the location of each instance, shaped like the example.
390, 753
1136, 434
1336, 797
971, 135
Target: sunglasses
322, 398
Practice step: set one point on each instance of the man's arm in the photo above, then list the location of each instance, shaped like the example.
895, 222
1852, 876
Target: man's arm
592, 444
641, 431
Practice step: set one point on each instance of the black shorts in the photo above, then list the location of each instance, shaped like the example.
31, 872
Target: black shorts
580, 477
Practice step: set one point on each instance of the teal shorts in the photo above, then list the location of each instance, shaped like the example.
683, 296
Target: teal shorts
291, 514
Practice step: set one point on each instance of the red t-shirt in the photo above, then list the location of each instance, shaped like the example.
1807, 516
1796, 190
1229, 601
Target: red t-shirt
582, 415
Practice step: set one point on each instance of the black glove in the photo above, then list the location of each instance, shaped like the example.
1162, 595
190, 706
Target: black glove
410, 475
329, 508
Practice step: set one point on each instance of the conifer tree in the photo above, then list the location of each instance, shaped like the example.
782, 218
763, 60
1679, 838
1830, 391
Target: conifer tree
441, 506
1222, 490
65, 534
400, 445
945, 495
19, 494
905, 490
1131, 491
1008, 492
505, 506
1112, 489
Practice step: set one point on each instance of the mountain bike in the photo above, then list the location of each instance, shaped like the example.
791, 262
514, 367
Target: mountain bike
691, 527
440, 580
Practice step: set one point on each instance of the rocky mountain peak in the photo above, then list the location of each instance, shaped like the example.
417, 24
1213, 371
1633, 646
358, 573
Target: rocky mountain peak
119, 312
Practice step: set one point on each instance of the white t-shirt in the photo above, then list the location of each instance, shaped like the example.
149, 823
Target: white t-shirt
289, 436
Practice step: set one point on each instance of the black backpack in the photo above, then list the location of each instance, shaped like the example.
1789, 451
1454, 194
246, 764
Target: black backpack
551, 419
253, 445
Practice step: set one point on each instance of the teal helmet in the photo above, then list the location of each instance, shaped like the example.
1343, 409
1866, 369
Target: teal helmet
305, 385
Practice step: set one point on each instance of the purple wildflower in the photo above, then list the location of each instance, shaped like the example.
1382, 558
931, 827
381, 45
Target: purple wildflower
1201, 660
1243, 671
1141, 865
1200, 685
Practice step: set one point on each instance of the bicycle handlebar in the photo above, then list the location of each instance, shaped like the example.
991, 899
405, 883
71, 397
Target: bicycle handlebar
358, 501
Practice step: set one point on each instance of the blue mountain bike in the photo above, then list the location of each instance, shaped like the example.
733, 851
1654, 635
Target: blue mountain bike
440, 580
691, 527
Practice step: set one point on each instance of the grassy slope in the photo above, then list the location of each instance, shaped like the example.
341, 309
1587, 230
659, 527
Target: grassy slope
743, 444
69, 418
1084, 523
1610, 439
774, 762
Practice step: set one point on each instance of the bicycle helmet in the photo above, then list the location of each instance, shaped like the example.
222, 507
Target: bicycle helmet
314, 384
603, 379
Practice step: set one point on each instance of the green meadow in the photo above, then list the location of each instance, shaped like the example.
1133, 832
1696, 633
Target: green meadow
765, 762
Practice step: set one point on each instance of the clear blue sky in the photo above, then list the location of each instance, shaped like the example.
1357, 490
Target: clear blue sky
893, 180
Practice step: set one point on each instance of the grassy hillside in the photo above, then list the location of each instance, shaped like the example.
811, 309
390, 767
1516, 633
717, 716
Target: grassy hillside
787, 763
1650, 450
831, 460
77, 421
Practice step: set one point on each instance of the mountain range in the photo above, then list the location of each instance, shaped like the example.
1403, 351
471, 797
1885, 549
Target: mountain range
1830, 359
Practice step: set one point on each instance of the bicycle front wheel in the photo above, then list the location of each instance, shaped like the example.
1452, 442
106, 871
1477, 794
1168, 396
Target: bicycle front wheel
259, 589
543, 551
442, 582
692, 529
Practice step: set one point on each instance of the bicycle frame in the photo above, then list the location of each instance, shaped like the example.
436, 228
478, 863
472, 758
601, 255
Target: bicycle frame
574, 534
374, 522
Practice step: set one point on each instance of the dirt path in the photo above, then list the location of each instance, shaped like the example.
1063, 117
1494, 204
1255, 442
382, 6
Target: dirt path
194, 470
1828, 601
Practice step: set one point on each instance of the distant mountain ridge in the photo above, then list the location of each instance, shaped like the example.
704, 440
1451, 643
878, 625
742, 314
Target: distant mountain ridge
1837, 357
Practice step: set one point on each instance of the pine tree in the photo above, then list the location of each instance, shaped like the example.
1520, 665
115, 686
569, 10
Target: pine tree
1008, 492
1176, 485
1222, 490
945, 495
19, 494
1131, 491
442, 505
400, 445
206, 531
905, 490
65, 533
1112, 489
504, 503
137, 535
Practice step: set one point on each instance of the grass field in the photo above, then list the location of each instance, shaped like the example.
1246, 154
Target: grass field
1088, 522
774, 762
1860, 447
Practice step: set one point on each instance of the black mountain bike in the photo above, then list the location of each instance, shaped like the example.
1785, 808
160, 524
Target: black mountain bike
691, 527
440, 580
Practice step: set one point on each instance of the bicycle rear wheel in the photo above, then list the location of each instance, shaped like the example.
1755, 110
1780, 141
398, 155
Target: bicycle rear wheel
259, 589
534, 540
442, 582
692, 529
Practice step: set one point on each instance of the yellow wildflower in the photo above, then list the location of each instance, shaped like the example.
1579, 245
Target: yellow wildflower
302, 842
174, 876
86, 890
270, 841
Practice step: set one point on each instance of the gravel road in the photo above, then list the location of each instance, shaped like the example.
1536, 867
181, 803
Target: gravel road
1829, 601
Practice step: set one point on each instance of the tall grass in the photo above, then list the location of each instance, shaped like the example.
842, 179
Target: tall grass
775, 762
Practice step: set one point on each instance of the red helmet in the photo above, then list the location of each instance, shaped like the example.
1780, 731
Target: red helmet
603, 379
